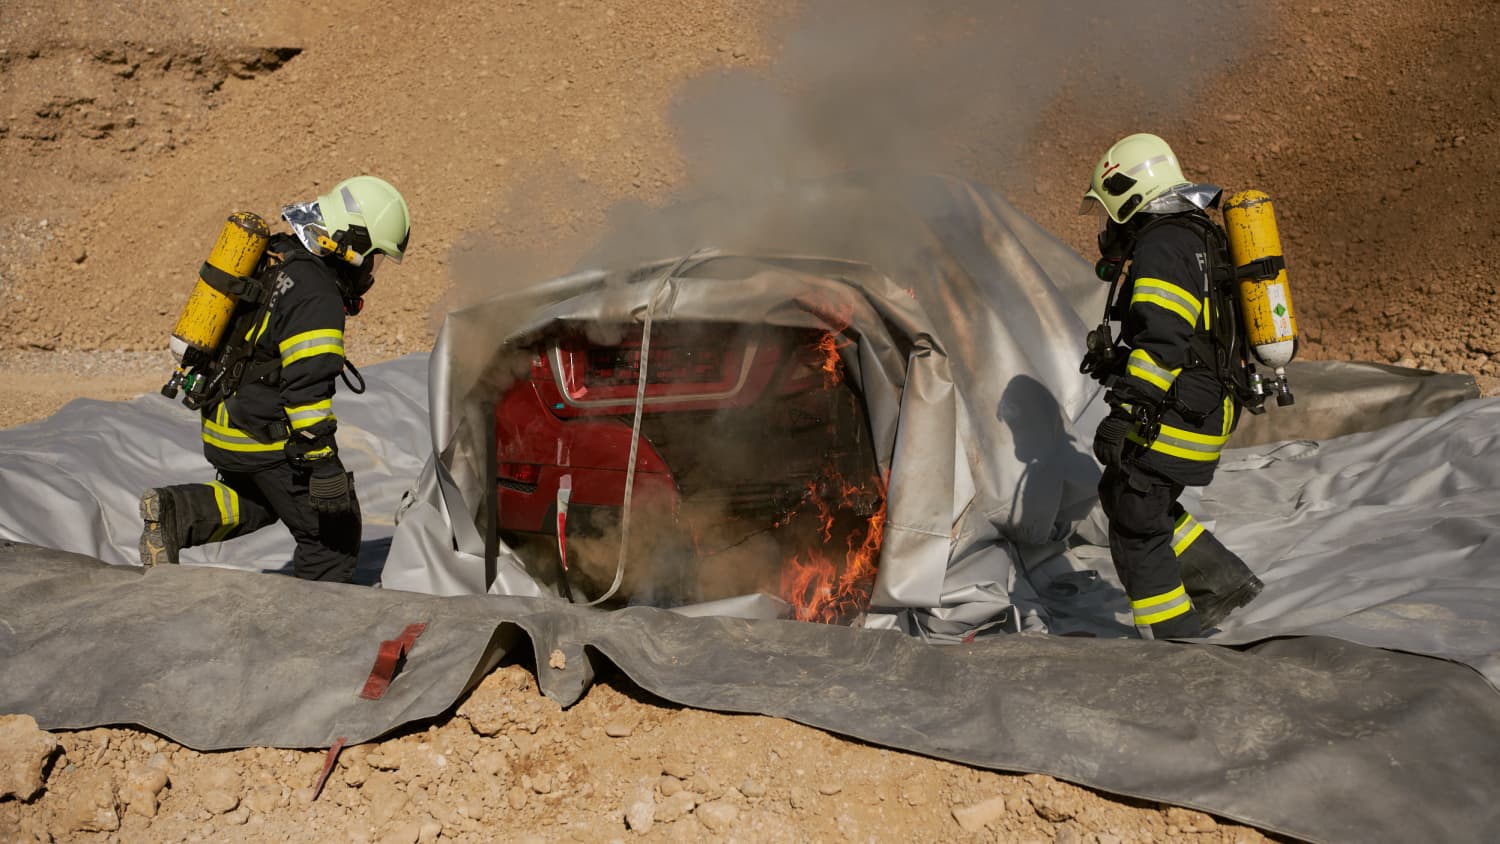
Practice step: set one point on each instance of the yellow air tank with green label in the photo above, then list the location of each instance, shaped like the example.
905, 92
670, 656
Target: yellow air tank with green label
235, 255
1266, 301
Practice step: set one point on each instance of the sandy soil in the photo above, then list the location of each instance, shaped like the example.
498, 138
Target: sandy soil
521, 131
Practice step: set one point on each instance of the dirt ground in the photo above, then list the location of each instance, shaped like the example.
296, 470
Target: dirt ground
518, 130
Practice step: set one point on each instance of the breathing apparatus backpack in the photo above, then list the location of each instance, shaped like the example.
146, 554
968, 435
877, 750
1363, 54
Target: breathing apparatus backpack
1249, 304
208, 349
214, 338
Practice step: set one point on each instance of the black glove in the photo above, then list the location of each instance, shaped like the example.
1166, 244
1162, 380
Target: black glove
328, 486
314, 450
1109, 438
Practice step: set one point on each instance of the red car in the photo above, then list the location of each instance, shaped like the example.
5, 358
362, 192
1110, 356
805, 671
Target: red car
743, 422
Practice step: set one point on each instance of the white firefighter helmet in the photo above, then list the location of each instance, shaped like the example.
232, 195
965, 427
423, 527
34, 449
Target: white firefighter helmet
1135, 171
360, 217
368, 215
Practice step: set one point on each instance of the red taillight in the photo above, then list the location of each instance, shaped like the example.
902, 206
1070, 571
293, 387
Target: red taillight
525, 473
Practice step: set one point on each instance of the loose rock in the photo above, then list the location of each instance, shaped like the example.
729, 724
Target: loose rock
89, 806
717, 816
141, 789
676, 806
219, 802
24, 752
976, 817
640, 814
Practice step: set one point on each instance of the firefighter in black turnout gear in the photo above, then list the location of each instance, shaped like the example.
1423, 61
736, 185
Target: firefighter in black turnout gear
270, 432
1173, 400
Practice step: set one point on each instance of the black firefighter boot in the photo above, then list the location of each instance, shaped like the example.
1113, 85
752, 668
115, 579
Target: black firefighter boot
160, 540
1217, 580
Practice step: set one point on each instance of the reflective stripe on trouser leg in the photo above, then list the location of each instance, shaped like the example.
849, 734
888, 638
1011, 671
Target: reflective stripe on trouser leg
1208, 569
203, 510
229, 510
1185, 532
1141, 527
1158, 608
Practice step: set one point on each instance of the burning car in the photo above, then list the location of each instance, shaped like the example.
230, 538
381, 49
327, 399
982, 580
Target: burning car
861, 399
737, 431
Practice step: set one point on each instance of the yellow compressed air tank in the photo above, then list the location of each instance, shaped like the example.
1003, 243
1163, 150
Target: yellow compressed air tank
235, 255
1270, 325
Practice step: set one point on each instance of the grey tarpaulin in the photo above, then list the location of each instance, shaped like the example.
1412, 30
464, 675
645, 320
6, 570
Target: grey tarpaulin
967, 345
1267, 736
968, 321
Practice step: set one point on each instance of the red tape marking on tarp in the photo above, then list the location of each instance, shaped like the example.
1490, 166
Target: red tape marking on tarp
389, 660
333, 755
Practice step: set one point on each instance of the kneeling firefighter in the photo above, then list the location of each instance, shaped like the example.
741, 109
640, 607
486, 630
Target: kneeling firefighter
261, 346
1179, 376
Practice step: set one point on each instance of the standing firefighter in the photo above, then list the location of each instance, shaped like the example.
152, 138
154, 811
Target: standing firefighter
263, 374
1176, 387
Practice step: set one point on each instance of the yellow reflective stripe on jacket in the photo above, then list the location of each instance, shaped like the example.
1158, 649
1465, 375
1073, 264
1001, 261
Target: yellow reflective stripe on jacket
324, 341
301, 416
229, 510
1184, 534
223, 436
1158, 608
1167, 295
1141, 365
1190, 445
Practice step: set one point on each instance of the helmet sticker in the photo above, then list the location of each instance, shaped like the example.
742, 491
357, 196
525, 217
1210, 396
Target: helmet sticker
350, 204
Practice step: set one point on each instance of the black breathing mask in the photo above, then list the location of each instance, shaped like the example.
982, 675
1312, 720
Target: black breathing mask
356, 281
1115, 240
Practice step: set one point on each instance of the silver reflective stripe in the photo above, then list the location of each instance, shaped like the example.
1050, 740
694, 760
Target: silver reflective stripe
332, 345
234, 438
1166, 438
1155, 610
1150, 162
302, 418
1141, 359
229, 511
1151, 287
349, 204
1187, 531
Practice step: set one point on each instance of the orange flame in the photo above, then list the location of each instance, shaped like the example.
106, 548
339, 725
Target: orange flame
820, 584
837, 316
828, 351
822, 590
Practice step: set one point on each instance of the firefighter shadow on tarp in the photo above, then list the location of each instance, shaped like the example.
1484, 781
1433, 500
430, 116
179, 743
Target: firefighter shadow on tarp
373, 552
1060, 477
